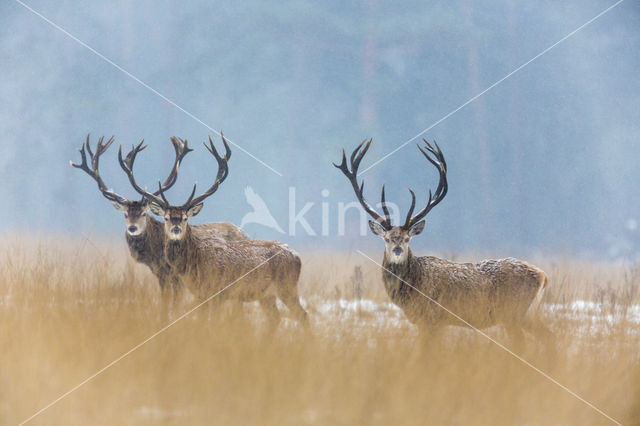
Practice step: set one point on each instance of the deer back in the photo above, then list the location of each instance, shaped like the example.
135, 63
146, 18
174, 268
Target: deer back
207, 264
225, 230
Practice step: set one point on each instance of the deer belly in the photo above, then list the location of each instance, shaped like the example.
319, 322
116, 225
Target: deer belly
252, 291
479, 314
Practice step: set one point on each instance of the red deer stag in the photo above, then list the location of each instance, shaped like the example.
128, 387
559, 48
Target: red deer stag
207, 264
144, 234
483, 294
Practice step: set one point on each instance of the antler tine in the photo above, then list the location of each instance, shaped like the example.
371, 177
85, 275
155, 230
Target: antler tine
343, 164
100, 139
83, 164
100, 149
227, 150
159, 201
161, 191
413, 205
193, 192
212, 149
181, 148
131, 155
93, 171
356, 157
441, 190
441, 165
387, 216
223, 172
89, 145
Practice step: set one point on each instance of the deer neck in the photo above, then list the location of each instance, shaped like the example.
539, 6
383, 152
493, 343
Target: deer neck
143, 247
177, 252
397, 275
138, 244
398, 268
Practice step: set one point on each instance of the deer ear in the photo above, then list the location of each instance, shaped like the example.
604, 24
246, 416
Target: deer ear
416, 229
194, 210
376, 228
119, 206
157, 210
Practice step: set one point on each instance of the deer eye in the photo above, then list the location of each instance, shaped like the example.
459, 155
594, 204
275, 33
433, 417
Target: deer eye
406, 240
386, 239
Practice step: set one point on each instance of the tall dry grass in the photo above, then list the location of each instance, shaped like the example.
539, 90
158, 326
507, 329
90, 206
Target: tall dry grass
70, 307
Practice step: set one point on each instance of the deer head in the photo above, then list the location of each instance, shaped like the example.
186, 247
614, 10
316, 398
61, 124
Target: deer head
396, 238
176, 217
135, 211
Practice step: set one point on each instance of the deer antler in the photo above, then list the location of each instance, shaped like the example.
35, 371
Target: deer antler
181, 147
94, 159
440, 163
223, 172
352, 175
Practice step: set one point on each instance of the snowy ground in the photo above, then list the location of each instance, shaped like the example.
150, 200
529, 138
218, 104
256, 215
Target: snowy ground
589, 317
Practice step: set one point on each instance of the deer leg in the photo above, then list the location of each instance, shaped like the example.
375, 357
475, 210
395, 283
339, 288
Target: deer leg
516, 337
268, 304
542, 334
214, 308
429, 335
292, 301
236, 308
167, 298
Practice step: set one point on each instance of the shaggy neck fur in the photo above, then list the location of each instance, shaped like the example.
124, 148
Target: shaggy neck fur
394, 274
148, 247
178, 251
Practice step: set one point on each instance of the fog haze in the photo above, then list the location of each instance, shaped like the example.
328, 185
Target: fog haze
546, 161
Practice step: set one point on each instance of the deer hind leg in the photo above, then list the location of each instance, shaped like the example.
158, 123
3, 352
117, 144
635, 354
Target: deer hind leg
291, 300
534, 322
430, 337
516, 337
236, 308
542, 334
268, 304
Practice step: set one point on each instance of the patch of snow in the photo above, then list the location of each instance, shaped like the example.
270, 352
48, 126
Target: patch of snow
160, 414
4, 300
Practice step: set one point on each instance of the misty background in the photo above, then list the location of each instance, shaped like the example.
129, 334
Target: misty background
545, 162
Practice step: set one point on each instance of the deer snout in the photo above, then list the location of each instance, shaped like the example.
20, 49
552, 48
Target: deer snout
397, 251
132, 229
176, 230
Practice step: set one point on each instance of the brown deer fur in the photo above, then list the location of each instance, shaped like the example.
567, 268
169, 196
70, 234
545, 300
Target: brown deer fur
206, 264
144, 234
148, 246
481, 294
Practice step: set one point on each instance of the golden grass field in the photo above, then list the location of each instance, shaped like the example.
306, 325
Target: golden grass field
70, 307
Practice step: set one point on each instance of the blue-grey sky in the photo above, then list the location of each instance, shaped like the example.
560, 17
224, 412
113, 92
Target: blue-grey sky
545, 161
